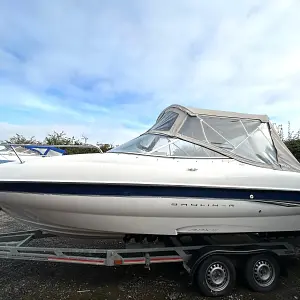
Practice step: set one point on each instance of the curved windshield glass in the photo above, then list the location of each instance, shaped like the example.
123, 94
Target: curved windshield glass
154, 144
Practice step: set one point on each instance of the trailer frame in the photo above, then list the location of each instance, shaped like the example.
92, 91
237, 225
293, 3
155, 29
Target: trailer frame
15, 245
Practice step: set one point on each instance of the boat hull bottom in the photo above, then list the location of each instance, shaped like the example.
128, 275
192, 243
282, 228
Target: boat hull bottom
86, 225
106, 216
66, 231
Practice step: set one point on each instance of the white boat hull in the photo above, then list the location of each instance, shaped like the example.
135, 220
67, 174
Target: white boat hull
115, 216
100, 195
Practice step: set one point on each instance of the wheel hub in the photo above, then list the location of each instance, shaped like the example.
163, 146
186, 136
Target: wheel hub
264, 273
217, 276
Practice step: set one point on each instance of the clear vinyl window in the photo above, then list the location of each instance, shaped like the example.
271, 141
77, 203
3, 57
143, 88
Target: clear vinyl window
160, 145
166, 122
246, 138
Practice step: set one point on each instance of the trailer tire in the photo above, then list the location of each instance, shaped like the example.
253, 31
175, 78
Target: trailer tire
216, 276
262, 273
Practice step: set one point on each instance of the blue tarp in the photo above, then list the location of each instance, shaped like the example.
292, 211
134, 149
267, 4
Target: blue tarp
37, 148
5, 161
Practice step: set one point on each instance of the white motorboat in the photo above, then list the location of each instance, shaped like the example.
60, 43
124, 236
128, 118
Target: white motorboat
195, 171
8, 153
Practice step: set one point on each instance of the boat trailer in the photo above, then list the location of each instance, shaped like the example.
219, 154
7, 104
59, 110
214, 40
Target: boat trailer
211, 264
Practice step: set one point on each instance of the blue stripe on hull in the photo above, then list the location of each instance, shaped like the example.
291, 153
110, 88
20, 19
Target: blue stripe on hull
141, 190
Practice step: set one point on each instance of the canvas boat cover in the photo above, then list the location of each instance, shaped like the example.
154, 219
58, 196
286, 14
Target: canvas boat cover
247, 138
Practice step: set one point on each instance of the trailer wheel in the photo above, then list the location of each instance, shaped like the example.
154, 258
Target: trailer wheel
216, 276
262, 273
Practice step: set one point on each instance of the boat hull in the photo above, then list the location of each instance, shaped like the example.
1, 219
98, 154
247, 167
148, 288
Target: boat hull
96, 195
107, 216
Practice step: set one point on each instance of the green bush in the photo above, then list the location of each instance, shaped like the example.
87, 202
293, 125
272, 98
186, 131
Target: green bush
294, 147
292, 141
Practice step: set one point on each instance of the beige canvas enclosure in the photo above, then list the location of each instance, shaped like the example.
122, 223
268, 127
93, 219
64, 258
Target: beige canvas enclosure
245, 137
189, 132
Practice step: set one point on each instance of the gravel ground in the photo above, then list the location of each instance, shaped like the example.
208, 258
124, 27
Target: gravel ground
40, 280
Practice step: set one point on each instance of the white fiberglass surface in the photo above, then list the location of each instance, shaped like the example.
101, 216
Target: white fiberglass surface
154, 144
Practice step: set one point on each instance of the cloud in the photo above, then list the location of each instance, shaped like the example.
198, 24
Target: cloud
117, 65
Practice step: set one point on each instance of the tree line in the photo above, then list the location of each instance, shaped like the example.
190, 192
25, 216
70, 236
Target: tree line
291, 140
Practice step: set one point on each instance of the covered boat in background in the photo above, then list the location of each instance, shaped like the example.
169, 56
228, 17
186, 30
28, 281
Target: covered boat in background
195, 171
25, 152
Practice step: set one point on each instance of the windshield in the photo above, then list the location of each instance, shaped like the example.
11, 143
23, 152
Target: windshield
154, 144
